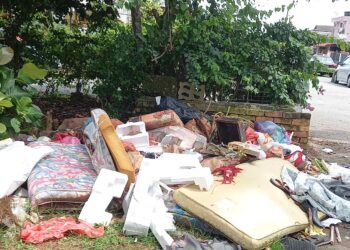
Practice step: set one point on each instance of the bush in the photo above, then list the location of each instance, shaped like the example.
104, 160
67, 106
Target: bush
119, 68
17, 113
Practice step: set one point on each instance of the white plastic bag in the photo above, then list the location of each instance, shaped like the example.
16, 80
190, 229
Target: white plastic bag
16, 163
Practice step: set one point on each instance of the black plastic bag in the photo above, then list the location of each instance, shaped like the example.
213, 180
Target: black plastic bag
185, 112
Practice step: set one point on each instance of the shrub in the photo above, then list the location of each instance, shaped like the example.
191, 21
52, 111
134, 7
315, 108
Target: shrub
17, 112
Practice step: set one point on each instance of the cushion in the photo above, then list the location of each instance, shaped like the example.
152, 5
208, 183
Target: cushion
63, 179
251, 211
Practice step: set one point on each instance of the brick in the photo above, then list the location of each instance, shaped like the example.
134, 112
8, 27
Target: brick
303, 128
255, 112
274, 114
240, 111
304, 140
262, 119
306, 115
301, 134
301, 122
282, 121
248, 117
292, 115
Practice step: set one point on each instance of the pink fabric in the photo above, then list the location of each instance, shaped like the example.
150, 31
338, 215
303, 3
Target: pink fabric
56, 228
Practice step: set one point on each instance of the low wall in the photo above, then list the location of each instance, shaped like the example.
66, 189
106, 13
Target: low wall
285, 116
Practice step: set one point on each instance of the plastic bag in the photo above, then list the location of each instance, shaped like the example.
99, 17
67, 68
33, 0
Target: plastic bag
251, 136
185, 112
17, 161
56, 228
277, 133
265, 141
96, 145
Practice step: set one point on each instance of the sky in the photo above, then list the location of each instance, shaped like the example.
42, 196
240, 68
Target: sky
308, 14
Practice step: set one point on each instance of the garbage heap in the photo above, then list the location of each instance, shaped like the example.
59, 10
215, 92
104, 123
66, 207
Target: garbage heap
230, 178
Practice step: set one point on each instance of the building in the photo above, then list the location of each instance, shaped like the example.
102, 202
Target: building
342, 26
326, 30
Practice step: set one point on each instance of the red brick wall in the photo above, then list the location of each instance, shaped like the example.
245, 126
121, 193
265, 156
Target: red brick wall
284, 116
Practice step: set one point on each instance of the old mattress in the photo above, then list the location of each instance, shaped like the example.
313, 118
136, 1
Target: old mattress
63, 179
251, 212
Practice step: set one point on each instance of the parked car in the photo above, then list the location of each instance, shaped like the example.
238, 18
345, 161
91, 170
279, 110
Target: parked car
327, 61
342, 73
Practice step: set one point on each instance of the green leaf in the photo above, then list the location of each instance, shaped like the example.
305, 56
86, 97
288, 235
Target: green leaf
31, 71
2, 128
16, 125
2, 96
6, 55
6, 103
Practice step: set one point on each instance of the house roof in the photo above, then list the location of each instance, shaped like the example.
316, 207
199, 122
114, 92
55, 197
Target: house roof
323, 28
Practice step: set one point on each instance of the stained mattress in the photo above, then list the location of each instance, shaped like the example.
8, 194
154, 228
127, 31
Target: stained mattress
251, 212
63, 179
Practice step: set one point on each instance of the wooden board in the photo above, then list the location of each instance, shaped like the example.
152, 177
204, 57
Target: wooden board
116, 148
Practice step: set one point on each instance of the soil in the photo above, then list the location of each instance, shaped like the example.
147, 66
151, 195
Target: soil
340, 155
63, 107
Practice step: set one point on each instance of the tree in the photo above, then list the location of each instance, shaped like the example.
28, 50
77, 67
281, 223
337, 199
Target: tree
20, 15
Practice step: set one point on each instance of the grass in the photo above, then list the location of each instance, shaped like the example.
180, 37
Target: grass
112, 239
277, 245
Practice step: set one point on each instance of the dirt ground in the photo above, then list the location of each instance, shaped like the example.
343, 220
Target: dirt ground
340, 155
63, 107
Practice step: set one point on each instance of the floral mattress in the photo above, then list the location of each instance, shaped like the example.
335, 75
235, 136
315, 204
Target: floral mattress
62, 179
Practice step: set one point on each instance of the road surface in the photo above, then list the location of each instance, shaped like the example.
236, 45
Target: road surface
331, 117
330, 128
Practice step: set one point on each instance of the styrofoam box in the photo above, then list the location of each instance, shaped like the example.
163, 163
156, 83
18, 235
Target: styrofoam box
140, 137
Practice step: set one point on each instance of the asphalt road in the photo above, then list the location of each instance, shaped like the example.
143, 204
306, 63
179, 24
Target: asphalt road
330, 127
331, 118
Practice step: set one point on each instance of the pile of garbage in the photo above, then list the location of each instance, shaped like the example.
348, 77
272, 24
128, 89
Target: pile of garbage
225, 176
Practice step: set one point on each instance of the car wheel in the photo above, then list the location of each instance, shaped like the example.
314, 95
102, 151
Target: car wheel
336, 78
348, 82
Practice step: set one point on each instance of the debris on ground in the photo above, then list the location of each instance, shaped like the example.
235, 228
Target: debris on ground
242, 181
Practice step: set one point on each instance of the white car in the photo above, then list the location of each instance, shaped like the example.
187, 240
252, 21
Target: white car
342, 74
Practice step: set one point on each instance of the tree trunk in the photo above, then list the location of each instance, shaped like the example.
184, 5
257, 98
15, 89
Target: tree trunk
136, 22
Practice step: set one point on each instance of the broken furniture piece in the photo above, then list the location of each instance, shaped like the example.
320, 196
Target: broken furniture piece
108, 184
247, 148
116, 148
230, 129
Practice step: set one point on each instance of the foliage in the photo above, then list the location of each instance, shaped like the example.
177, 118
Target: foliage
226, 45
66, 51
22, 15
118, 66
17, 112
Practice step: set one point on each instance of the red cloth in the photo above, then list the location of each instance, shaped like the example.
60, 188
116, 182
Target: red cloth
56, 228
66, 138
228, 171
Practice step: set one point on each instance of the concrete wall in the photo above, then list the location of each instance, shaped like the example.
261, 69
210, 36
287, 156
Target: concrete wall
285, 116
342, 27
